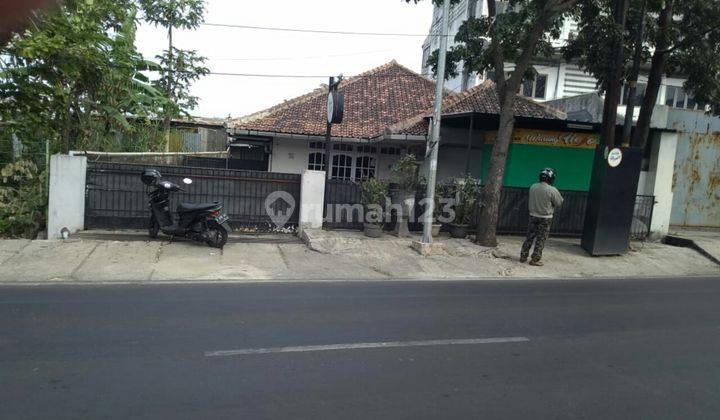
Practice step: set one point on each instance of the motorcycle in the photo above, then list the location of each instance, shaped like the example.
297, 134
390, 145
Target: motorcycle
204, 222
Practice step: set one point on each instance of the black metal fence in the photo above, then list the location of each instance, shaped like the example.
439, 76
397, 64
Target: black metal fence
116, 198
220, 163
341, 196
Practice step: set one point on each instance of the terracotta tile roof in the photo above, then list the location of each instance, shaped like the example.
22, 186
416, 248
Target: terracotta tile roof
374, 101
481, 99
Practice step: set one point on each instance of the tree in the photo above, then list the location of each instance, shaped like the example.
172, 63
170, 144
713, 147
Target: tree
679, 37
75, 77
179, 68
518, 35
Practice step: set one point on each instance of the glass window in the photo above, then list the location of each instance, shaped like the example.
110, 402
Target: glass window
367, 149
540, 84
527, 88
341, 167
317, 145
670, 92
680, 100
690, 102
343, 147
316, 161
534, 88
364, 168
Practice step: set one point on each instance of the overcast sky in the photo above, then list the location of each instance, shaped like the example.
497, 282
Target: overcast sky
270, 52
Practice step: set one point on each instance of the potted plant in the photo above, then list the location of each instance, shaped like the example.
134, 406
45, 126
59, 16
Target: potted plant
465, 193
402, 190
373, 195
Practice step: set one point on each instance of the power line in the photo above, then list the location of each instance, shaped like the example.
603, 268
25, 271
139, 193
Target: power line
309, 57
315, 31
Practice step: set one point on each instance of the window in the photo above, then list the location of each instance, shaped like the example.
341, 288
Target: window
341, 167
535, 88
343, 147
364, 168
639, 94
367, 149
317, 145
676, 97
390, 150
670, 92
316, 161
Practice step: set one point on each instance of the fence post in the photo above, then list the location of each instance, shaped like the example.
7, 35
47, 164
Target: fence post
312, 199
66, 195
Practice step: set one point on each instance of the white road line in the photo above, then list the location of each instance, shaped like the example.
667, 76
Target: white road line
355, 346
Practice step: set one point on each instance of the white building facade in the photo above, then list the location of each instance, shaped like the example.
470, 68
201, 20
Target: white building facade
556, 79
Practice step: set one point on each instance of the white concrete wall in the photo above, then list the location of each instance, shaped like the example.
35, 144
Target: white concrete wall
289, 156
659, 181
312, 199
66, 208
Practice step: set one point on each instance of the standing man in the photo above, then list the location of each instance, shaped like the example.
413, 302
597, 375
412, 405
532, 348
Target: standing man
544, 199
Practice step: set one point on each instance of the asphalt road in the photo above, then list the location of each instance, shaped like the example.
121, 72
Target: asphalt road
533, 349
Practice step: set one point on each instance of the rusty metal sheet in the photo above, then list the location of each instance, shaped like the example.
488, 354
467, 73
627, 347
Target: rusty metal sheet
696, 181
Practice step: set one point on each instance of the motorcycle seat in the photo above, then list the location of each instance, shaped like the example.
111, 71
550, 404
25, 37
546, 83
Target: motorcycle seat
188, 207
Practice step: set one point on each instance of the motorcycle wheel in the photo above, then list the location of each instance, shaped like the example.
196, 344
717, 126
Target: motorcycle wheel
154, 228
217, 235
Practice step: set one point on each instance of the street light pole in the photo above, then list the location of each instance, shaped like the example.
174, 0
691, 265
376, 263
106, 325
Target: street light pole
434, 141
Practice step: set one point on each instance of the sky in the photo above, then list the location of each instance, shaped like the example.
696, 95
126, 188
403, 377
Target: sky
254, 51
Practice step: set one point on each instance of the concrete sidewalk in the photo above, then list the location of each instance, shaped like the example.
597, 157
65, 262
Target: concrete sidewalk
706, 241
330, 256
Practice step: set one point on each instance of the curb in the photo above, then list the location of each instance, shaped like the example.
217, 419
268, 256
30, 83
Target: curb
689, 243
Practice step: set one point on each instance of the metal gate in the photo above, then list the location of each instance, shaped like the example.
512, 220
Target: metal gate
115, 198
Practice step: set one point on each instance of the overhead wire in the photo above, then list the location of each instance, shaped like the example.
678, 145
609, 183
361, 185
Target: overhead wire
315, 31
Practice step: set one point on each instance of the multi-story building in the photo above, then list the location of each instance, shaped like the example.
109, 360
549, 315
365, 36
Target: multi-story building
556, 79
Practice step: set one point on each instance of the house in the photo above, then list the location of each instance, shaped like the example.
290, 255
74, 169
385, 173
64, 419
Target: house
387, 111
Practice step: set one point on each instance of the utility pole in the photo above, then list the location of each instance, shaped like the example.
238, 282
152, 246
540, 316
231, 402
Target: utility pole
335, 111
433, 142
328, 136
166, 123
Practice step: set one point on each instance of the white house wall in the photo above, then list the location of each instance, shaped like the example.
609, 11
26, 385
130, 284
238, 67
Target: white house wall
289, 156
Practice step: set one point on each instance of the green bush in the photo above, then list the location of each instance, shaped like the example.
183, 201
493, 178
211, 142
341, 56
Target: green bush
23, 200
466, 193
373, 196
405, 173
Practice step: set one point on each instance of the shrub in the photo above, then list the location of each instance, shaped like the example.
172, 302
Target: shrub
373, 196
404, 173
23, 200
466, 194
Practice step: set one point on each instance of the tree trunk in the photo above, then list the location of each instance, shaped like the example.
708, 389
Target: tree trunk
633, 79
487, 227
612, 89
642, 129
506, 92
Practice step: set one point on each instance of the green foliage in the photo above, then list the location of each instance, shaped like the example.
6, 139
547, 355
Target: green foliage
178, 71
475, 36
405, 173
185, 14
178, 68
465, 192
76, 76
23, 198
694, 35
373, 196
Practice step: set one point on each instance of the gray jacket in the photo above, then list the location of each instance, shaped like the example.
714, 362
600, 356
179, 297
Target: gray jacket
544, 199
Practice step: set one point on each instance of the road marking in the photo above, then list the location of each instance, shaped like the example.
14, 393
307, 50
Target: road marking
378, 345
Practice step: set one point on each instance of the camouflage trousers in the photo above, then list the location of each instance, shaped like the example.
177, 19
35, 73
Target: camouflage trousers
538, 230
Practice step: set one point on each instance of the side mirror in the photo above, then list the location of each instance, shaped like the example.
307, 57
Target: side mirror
187, 181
